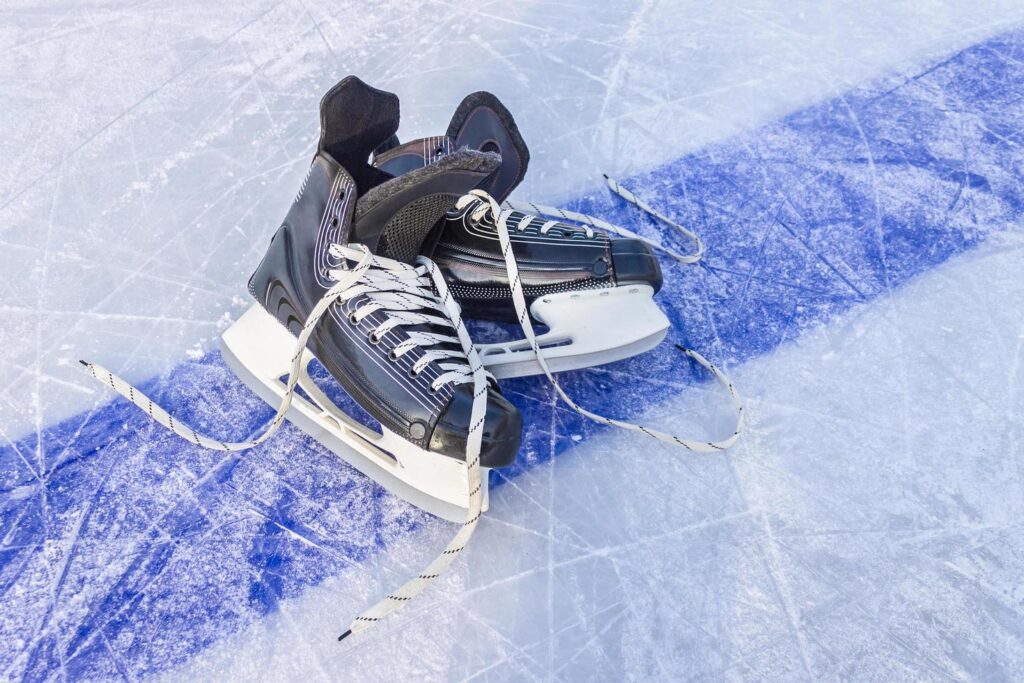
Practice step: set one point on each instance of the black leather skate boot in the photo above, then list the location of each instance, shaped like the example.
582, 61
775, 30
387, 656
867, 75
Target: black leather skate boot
594, 291
388, 339
554, 256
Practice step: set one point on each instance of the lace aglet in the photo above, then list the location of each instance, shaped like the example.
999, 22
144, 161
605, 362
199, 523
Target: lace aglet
683, 349
344, 635
84, 364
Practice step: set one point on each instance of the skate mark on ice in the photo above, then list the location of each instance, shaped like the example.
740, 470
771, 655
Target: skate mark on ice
168, 548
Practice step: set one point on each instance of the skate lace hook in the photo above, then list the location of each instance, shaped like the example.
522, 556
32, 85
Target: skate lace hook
522, 313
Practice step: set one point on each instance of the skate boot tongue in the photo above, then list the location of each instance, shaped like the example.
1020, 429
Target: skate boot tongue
354, 119
398, 218
483, 123
402, 218
480, 123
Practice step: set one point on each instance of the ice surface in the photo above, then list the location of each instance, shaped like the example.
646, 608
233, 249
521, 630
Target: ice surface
149, 153
865, 528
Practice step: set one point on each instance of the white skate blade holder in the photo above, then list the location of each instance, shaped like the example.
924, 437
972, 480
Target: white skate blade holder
585, 328
258, 349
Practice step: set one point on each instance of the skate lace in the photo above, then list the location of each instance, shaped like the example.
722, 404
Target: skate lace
525, 212
403, 291
488, 208
405, 295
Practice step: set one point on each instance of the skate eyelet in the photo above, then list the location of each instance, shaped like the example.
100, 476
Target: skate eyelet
392, 355
412, 373
374, 339
341, 195
334, 222
352, 319
439, 151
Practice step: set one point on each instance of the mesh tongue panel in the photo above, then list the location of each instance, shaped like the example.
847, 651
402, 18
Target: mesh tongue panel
404, 234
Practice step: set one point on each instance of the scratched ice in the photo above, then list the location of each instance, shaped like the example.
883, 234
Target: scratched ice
857, 177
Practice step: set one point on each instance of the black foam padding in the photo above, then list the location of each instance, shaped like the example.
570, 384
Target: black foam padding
387, 145
399, 219
356, 119
482, 122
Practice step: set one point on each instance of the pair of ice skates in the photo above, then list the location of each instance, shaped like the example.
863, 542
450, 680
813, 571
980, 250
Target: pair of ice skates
347, 281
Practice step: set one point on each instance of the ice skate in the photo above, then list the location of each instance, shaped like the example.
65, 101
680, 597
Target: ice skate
526, 262
343, 282
399, 362
594, 292
484, 208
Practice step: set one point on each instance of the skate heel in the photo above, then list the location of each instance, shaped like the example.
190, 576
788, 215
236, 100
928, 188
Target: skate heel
258, 349
585, 328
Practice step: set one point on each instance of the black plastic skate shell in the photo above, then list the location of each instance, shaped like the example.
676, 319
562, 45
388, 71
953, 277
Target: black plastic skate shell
419, 451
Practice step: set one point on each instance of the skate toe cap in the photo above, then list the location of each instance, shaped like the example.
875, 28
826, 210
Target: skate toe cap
634, 263
503, 428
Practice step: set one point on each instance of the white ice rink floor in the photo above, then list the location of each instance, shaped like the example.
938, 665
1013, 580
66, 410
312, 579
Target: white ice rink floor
856, 171
869, 527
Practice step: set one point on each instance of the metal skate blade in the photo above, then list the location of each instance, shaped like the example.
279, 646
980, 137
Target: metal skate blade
258, 350
587, 328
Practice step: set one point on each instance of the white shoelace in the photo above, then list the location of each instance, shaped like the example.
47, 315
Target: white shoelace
403, 292
489, 207
588, 222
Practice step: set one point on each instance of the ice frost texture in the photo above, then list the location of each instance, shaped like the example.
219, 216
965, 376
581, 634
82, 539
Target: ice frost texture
862, 280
